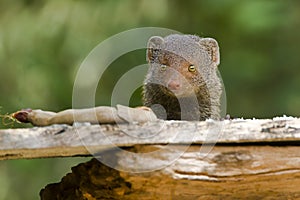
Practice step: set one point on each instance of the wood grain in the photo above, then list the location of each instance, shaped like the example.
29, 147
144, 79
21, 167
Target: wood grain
65, 140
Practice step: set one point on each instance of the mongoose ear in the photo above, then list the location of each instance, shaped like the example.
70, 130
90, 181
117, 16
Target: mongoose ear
154, 43
212, 48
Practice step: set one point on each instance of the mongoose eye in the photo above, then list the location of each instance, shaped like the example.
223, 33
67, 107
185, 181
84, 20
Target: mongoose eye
192, 68
163, 67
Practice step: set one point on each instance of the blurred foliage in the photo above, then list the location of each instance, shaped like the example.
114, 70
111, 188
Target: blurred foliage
43, 42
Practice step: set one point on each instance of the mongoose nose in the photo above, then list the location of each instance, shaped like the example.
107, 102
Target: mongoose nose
173, 85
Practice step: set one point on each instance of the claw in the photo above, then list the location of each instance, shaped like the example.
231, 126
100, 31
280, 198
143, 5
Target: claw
22, 116
144, 108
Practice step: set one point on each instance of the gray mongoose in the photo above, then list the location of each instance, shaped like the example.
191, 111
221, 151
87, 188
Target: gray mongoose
182, 81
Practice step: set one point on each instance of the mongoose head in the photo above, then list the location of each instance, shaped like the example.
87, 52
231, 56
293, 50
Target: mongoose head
180, 64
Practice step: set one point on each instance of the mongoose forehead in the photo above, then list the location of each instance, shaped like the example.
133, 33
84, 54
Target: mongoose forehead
187, 47
203, 51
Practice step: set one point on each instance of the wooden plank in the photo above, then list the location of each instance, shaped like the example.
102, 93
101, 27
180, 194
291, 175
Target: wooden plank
230, 159
64, 140
251, 172
221, 163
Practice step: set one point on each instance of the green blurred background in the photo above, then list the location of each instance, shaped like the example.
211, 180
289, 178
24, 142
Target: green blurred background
43, 42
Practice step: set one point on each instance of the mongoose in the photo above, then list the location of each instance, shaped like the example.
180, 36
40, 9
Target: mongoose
182, 81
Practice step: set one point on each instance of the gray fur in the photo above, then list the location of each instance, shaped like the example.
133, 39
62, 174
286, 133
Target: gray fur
201, 93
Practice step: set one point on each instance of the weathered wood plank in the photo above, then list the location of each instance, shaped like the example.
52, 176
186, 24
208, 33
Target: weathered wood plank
175, 159
251, 172
221, 163
64, 140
